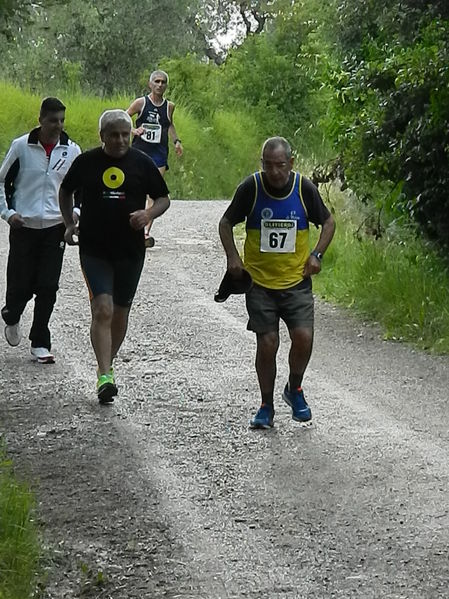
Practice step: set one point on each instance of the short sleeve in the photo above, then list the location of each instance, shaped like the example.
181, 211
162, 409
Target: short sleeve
73, 178
317, 213
243, 201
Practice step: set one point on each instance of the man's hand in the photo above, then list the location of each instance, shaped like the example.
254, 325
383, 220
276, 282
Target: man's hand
70, 233
178, 148
15, 221
312, 266
139, 131
139, 219
235, 266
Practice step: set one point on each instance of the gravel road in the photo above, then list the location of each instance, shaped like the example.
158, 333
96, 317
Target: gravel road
168, 494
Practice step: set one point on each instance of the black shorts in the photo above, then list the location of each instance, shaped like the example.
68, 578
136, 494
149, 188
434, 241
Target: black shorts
295, 306
117, 277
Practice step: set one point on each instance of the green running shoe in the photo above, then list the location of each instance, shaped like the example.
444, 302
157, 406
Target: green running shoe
106, 388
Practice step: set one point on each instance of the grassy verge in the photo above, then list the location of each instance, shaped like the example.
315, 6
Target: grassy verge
218, 154
397, 280
19, 547
218, 151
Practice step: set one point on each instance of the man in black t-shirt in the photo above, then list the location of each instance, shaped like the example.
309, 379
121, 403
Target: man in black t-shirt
113, 182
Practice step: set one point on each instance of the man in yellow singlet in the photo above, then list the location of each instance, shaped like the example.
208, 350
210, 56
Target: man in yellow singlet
277, 205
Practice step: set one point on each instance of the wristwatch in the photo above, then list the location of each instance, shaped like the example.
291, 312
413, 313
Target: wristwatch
318, 255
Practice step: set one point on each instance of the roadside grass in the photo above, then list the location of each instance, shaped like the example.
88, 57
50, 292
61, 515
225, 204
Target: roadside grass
19, 544
82, 116
397, 280
18, 113
218, 152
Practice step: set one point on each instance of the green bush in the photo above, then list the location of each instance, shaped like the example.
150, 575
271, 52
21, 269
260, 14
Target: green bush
397, 280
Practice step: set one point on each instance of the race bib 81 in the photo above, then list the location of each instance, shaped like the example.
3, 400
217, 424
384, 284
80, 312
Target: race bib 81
152, 133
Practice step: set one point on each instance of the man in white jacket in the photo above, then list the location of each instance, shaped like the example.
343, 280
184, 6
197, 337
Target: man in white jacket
30, 177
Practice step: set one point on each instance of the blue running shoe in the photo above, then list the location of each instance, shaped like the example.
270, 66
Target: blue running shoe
300, 410
263, 418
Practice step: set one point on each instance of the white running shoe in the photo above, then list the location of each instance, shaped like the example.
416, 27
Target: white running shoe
42, 355
13, 334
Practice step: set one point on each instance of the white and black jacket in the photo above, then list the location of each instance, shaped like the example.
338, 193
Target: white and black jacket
29, 180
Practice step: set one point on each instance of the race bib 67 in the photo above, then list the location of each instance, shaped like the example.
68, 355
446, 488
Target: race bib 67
278, 236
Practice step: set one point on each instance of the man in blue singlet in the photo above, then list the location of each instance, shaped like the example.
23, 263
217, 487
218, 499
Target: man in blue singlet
154, 127
277, 205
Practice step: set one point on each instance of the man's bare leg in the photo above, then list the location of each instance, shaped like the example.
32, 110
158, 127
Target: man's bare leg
119, 326
149, 203
299, 356
102, 310
148, 226
267, 347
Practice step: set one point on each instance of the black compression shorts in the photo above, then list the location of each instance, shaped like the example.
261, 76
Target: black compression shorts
118, 277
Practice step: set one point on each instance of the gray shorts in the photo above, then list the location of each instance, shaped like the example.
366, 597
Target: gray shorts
294, 306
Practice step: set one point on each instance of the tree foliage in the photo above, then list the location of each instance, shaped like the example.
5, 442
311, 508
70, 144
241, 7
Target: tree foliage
13, 13
276, 75
391, 104
103, 46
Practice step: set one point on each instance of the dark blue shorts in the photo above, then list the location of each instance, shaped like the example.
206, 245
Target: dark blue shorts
157, 152
118, 277
160, 157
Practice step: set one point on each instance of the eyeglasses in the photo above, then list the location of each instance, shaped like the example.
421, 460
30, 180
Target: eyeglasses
160, 81
267, 165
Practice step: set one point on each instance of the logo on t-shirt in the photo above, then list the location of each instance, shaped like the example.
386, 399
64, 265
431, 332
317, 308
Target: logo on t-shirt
113, 177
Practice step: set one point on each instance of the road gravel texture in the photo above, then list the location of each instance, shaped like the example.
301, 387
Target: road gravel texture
168, 494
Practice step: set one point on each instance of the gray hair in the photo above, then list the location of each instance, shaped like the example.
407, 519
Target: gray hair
117, 115
272, 143
154, 74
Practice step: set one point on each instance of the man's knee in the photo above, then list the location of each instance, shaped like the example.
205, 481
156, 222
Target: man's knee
301, 336
268, 342
102, 308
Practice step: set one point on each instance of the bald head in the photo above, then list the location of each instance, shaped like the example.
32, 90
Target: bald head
277, 161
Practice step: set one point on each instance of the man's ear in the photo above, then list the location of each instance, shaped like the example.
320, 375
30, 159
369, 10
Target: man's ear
292, 160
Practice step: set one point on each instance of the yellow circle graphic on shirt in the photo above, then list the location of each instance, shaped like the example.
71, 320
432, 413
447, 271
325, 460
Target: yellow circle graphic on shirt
113, 177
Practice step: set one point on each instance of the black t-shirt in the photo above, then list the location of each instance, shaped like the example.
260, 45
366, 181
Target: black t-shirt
110, 189
243, 200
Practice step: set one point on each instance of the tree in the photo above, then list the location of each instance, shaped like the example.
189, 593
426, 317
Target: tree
227, 23
12, 13
392, 107
108, 44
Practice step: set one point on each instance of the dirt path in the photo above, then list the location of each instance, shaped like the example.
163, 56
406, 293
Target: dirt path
167, 493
